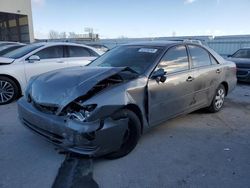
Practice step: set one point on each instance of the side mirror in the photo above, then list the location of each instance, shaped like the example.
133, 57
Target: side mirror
33, 58
229, 55
160, 75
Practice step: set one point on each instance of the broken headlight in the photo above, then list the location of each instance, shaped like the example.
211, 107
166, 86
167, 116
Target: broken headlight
79, 112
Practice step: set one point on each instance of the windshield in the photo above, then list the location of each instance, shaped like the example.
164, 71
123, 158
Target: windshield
6, 43
137, 58
8, 49
20, 52
244, 53
4, 47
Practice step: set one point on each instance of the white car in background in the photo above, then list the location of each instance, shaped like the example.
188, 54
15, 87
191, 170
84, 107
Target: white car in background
3, 43
18, 66
10, 47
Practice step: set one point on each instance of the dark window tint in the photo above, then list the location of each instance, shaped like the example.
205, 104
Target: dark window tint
175, 60
200, 56
75, 51
51, 52
244, 53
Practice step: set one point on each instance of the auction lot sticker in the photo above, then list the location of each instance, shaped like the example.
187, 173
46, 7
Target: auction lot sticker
148, 50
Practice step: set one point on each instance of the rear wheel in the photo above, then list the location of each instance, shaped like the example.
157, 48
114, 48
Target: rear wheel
218, 99
131, 135
8, 90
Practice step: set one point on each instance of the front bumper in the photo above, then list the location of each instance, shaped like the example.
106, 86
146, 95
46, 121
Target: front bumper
94, 138
243, 74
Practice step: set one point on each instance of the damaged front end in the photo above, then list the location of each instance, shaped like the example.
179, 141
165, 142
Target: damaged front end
78, 111
87, 129
72, 133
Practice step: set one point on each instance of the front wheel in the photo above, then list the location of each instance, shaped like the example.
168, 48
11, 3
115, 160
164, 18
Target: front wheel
8, 90
218, 99
131, 135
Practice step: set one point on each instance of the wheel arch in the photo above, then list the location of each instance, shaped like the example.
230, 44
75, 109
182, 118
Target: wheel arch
134, 108
225, 84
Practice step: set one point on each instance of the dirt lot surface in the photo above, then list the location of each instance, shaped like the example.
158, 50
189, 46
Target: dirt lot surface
196, 150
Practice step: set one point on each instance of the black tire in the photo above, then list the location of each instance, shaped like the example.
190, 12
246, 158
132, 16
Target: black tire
215, 106
131, 136
8, 90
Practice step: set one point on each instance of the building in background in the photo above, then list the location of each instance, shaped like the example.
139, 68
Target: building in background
224, 45
16, 21
227, 45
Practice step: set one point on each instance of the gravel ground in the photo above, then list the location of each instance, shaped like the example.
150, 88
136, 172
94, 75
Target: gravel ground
196, 150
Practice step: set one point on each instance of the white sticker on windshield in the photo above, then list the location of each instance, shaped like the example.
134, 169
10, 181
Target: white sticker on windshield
148, 50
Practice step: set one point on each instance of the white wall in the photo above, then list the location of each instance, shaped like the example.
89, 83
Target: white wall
19, 7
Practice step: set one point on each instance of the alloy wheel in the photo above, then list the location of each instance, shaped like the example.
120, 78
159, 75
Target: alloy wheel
6, 91
219, 98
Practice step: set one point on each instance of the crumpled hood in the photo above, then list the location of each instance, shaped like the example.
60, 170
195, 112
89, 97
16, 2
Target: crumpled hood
4, 60
241, 62
59, 88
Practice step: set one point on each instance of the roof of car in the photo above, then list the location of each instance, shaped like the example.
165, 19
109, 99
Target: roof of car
247, 48
66, 43
16, 44
10, 42
159, 43
58, 43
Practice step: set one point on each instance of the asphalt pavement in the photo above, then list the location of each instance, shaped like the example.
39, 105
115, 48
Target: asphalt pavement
196, 150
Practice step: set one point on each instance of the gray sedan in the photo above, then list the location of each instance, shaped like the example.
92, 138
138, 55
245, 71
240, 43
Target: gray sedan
104, 108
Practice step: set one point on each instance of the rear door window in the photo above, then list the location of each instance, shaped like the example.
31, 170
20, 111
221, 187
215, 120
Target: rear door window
200, 57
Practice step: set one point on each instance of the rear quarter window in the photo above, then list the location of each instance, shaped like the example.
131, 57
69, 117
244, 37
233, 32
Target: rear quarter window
77, 51
213, 60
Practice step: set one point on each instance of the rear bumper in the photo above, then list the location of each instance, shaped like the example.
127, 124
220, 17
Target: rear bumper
88, 138
243, 74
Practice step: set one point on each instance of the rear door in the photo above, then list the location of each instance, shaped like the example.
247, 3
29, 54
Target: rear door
207, 74
175, 95
78, 56
51, 58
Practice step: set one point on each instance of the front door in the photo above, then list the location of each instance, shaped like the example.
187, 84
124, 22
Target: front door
175, 95
51, 58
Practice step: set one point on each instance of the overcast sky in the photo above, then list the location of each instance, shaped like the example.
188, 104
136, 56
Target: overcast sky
142, 18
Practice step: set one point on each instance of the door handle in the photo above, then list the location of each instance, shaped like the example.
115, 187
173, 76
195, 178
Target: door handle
60, 61
218, 71
190, 79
